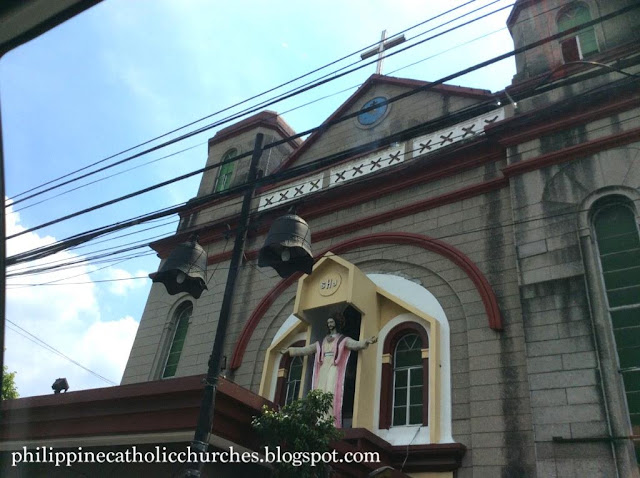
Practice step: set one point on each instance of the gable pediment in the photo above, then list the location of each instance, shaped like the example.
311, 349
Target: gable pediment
422, 113
365, 127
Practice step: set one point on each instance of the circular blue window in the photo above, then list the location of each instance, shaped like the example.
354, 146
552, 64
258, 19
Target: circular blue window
367, 118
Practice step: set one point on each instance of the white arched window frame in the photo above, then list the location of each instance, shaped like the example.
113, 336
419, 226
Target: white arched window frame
408, 381
419, 297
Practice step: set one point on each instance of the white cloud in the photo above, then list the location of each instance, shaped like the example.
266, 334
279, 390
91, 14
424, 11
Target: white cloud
124, 282
66, 316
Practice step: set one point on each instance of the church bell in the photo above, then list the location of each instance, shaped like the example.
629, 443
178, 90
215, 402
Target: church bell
288, 246
185, 270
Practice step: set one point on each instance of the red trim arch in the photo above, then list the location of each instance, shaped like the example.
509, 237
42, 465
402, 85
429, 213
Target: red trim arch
402, 238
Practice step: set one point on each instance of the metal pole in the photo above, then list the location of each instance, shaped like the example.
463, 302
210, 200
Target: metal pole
3, 256
205, 418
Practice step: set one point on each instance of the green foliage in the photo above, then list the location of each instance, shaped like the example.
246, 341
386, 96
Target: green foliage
9, 389
302, 426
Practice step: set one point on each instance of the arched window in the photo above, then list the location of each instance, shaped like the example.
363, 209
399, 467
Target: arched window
289, 377
584, 42
181, 324
405, 377
226, 170
407, 381
618, 243
294, 379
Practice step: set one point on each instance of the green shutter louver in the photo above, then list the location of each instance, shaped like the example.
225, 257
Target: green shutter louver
619, 250
225, 174
574, 16
183, 315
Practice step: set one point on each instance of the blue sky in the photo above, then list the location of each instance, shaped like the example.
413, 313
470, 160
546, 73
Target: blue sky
124, 72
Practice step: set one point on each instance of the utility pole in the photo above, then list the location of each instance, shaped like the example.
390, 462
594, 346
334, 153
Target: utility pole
200, 443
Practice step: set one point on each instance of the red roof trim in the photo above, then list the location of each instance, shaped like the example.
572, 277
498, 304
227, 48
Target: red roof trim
473, 154
266, 119
149, 407
572, 153
510, 134
379, 79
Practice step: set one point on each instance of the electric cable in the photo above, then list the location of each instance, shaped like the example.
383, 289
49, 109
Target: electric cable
366, 178
141, 243
96, 281
78, 275
148, 218
239, 103
404, 67
107, 177
376, 248
37, 340
281, 113
336, 121
136, 221
539, 14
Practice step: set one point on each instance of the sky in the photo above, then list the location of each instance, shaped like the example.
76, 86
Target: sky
127, 71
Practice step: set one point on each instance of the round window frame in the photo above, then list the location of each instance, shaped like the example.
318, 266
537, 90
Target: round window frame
376, 121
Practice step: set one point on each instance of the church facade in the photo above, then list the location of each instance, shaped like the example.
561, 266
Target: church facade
498, 242
489, 241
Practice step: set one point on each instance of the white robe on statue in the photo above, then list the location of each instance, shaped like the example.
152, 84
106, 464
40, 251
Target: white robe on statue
330, 363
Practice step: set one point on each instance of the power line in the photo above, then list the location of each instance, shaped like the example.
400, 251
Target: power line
50, 348
307, 87
326, 124
9, 203
408, 164
346, 89
48, 251
20, 286
281, 113
502, 224
139, 243
292, 172
225, 109
346, 117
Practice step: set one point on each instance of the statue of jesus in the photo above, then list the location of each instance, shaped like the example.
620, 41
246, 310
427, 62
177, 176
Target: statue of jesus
330, 363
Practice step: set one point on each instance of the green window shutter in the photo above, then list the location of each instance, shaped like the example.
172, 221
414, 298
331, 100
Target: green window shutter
225, 175
182, 325
619, 250
588, 42
574, 16
407, 381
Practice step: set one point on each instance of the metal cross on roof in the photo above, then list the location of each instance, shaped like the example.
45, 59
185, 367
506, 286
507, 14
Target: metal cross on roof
381, 48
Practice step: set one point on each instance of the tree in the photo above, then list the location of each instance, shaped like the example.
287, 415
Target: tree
302, 426
9, 389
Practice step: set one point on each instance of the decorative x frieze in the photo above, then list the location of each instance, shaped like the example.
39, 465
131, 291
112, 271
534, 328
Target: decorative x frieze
462, 131
286, 193
366, 165
380, 160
